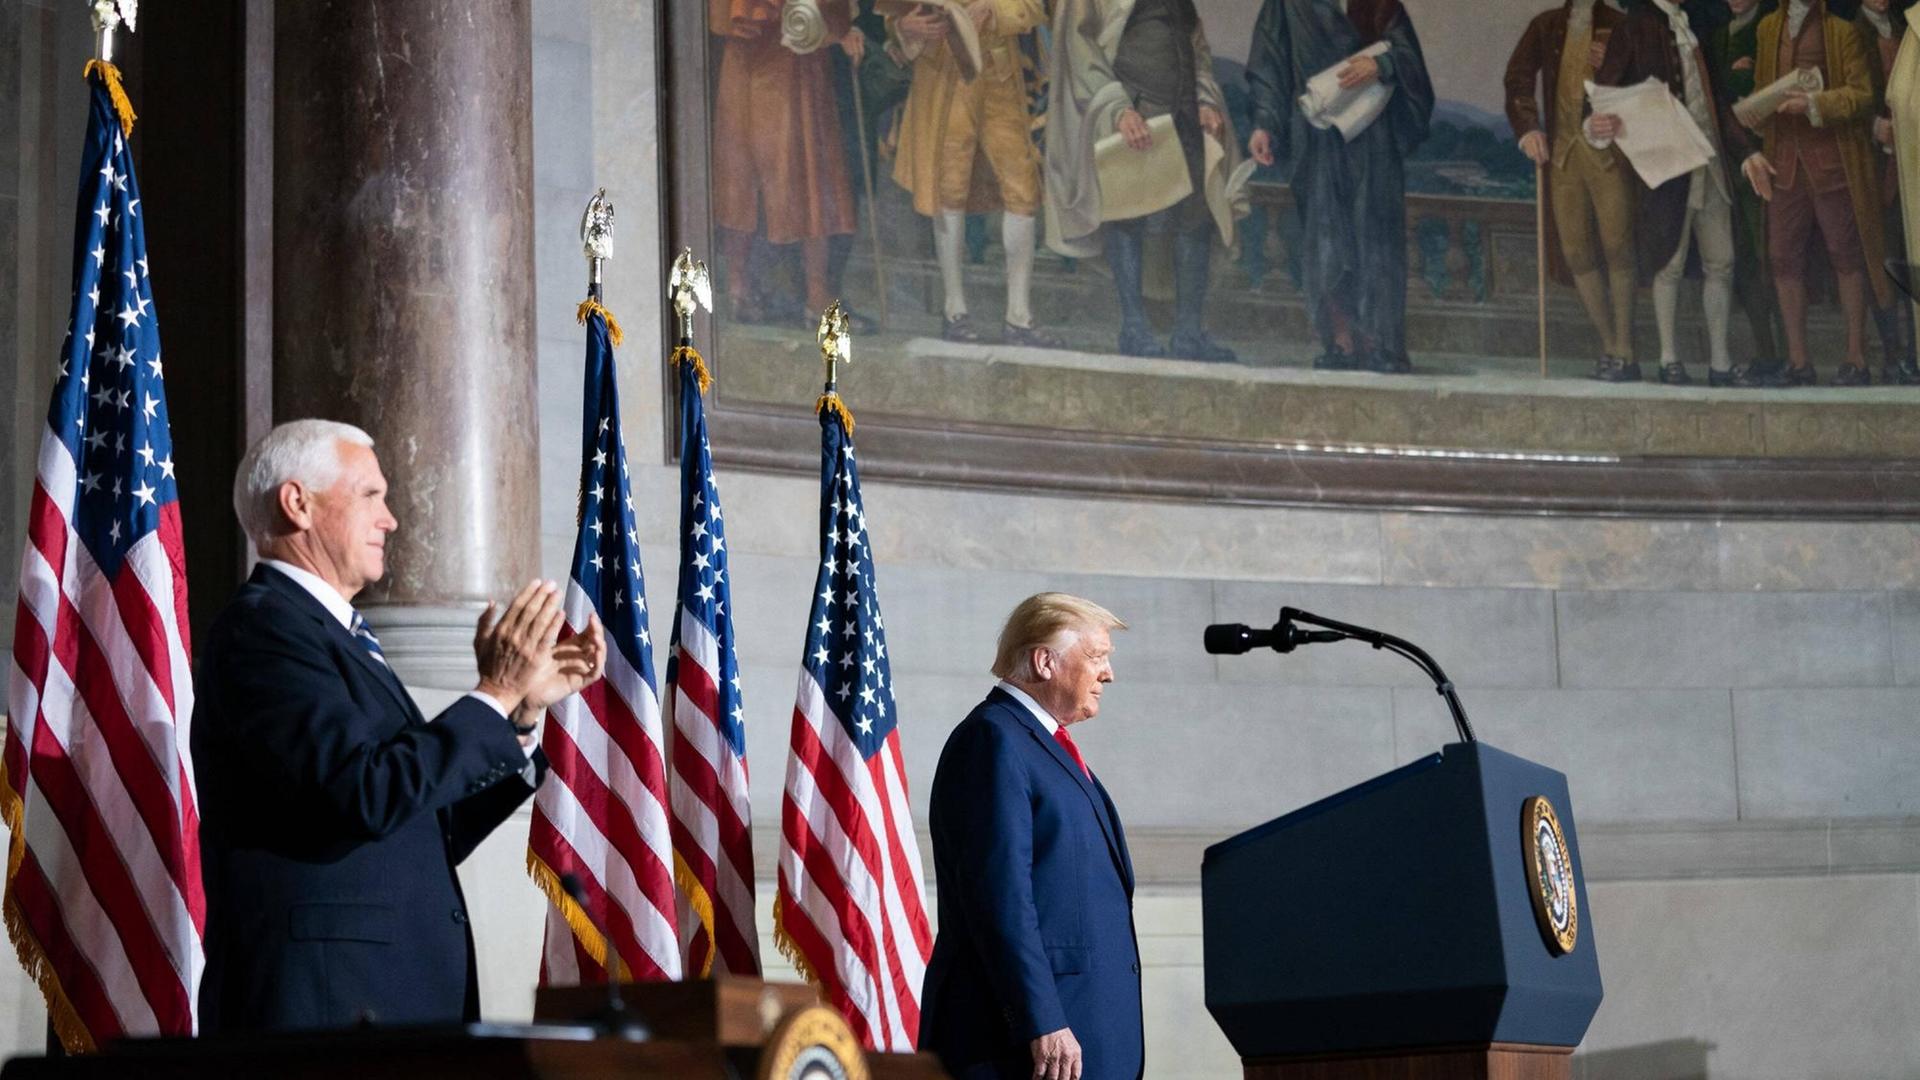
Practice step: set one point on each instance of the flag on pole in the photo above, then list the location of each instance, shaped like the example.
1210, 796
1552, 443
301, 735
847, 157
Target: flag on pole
602, 815
103, 895
849, 912
712, 844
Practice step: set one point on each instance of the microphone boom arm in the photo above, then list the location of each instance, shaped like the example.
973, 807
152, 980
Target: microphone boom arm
1441, 684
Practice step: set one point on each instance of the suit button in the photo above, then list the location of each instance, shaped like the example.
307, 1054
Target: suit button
1136, 967
460, 916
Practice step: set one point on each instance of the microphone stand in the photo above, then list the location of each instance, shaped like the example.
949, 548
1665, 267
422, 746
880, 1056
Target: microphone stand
1441, 684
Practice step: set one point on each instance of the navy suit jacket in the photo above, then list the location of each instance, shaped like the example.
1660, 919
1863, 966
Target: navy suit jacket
1036, 905
332, 816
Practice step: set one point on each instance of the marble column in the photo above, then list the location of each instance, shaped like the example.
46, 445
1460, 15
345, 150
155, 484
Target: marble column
403, 290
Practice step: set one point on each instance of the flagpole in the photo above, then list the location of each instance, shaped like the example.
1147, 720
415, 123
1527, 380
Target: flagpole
596, 242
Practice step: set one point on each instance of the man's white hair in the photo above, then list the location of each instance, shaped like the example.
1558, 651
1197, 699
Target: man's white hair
304, 451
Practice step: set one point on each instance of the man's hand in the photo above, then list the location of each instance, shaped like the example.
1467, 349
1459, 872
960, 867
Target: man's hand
922, 24
981, 12
1261, 146
1759, 172
1745, 63
1883, 131
1056, 1056
511, 651
1134, 129
854, 45
571, 667
1212, 122
1606, 126
1359, 71
1794, 104
1534, 145
1596, 53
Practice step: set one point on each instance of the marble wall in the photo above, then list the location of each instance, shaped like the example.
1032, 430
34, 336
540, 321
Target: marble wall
1737, 704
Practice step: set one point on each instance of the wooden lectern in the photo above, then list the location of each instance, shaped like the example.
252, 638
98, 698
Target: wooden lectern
1429, 924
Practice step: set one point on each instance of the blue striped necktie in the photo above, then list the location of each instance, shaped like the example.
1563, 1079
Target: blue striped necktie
363, 634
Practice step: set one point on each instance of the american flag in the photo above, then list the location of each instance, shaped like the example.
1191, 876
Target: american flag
103, 895
602, 815
712, 845
849, 911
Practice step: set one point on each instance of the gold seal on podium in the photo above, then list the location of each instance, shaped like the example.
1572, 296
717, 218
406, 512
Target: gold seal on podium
1550, 877
813, 1043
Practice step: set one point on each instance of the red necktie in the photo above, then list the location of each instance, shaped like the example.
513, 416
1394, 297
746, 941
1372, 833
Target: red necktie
1060, 736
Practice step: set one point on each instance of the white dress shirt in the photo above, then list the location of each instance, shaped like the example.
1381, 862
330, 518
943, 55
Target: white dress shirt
1026, 699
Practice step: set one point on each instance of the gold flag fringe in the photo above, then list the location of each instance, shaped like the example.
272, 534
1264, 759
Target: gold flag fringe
66, 1022
590, 937
687, 354
831, 401
588, 307
790, 948
702, 905
116, 93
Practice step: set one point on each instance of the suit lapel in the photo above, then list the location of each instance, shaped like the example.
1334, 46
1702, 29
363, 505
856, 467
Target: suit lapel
376, 670
1096, 796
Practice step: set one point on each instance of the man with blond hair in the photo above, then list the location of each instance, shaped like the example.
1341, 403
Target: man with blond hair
1036, 969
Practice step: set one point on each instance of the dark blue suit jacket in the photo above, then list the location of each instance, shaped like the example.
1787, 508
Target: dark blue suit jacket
1036, 905
331, 817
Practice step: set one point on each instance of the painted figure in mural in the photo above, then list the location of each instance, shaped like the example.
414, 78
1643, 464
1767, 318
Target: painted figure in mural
775, 118
1881, 25
966, 147
1730, 47
1903, 105
1350, 196
1688, 215
1818, 171
1587, 188
1117, 64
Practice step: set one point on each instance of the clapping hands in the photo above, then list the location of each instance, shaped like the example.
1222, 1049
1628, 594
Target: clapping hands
523, 663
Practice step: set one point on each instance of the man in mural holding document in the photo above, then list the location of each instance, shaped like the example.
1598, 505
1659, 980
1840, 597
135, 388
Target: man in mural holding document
774, 116
1120, 66
1685, 215
966, 145
1588, 190
1819, 171
1349, 183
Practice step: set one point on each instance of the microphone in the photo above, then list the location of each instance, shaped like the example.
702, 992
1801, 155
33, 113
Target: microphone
1232, 639
618, 1020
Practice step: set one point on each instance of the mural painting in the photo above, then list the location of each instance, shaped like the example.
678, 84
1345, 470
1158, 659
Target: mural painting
1655, 227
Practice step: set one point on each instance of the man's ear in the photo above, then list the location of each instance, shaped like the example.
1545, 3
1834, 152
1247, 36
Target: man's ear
296, 506
1043, 661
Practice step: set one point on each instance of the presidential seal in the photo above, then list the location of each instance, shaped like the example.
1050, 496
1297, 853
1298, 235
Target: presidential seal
1556, 907
813, 1043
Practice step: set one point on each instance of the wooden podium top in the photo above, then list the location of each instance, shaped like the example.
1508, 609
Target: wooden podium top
727, 1010
709, 1028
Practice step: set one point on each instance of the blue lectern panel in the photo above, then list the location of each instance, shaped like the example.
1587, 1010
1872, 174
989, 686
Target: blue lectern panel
1396, 913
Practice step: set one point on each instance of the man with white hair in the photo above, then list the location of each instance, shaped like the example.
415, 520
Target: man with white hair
332, 812
1036, 969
